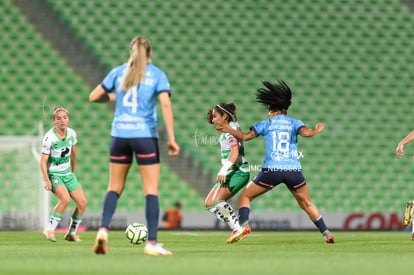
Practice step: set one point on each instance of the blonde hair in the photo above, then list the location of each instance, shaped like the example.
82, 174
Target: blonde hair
140, 53
58, 109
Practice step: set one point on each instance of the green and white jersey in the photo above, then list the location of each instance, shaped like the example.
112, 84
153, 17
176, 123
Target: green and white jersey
226, 142
59, 151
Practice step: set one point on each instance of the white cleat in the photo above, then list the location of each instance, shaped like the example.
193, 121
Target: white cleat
50, 235
156, 250
72, 237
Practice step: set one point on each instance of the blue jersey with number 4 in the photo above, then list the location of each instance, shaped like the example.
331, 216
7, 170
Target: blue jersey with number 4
281, 134
136, 109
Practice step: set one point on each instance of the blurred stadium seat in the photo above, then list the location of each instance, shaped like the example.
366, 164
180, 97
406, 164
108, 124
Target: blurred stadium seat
349, 64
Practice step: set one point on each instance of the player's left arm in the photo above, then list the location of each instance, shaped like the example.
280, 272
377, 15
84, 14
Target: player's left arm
167, 112
309, 132
73, 158
234, 153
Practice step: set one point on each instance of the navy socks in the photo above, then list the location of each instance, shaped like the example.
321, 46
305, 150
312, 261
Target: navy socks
109, 206
320, 224
243, 215
152, 212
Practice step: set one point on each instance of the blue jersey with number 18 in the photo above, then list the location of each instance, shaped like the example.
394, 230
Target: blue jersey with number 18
135, 110
280, 133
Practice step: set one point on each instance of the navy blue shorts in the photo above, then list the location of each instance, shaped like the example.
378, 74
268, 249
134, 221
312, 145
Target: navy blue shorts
146, 150
269, 179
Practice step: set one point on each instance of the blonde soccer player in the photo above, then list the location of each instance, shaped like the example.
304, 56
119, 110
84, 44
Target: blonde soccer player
135, 87
57, 164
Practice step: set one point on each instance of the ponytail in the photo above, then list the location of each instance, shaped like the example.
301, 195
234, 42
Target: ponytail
140, 53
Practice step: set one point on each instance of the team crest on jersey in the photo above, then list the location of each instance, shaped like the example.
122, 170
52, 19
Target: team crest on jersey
148, 81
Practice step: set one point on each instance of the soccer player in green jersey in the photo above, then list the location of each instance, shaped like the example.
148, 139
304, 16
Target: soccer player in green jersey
57, 164
234, 173
281, 162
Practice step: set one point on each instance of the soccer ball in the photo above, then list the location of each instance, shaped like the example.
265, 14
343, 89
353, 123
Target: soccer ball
136, 233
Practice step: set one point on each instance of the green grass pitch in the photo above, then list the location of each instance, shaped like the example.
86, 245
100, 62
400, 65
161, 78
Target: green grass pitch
206, 252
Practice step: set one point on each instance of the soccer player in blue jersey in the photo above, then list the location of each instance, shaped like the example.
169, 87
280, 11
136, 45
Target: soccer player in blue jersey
407, 219
234, 173
281, 163
135, 87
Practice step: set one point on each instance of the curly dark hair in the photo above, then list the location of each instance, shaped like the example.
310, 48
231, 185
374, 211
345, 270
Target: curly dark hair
223, 108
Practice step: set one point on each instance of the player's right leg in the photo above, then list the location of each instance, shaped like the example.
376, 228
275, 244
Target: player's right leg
54, 220
408, 214
118, 173
251, 191
210, 199
238, 235
109, 206
229, 215
64, 198
216, 203
101, 240
79, 197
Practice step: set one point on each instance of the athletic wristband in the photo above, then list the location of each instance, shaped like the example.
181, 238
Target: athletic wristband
226, 165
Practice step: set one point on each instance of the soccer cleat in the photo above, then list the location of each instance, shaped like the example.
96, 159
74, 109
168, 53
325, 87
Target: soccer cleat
50, 235
156, 250
328, 236
408, 214
72, 237
412, 236
232, 235
100, 243
238, 235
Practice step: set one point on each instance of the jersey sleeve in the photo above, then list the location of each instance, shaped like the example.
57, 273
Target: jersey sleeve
74, 137
110, 80
47, 143
231, 140
163, 85
298, 125
258, 128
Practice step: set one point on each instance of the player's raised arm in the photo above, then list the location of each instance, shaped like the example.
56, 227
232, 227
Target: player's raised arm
309, 132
